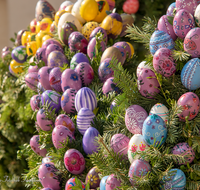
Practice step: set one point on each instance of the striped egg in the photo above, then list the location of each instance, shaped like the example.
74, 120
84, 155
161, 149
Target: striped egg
84, 118
85, 98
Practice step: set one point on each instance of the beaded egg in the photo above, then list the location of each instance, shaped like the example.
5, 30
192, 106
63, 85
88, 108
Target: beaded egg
110, 86
99, 30
93, 178
55, 79
19, 54
78, 58
43, 77
112, 182
71, 183
31, 80
35, 102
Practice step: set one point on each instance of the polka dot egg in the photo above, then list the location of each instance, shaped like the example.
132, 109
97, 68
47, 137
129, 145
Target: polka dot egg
88, 28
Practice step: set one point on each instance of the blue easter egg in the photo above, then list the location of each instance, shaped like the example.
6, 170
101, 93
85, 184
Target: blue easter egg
103, 183
190, 77
160, 39
176, 180
170, 9
154, 130
78, 58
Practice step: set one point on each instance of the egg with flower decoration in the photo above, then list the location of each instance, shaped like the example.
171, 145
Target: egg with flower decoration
43, 77
31, 80
112, 182
110, 86
190, 106
188, 5
71, 183
99, 30
19, 54
131, 6
127, 19
93, 178
170, 9
35, 102
74, 161
55, 79
78, 58
88, 28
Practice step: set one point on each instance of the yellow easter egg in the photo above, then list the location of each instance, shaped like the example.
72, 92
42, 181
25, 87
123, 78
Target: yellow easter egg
31, 37
45, 24
38, 27
15, 67
39, 37
88, 28
132, 49
89, 9
58, 15
24, 38
31, 48
46, 37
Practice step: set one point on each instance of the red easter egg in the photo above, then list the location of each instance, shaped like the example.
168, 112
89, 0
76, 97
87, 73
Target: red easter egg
131, 6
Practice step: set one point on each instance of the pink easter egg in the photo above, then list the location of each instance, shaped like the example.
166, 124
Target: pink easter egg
119, 144
51, 41
141, 66
33, 69
134, 118
164, 63
183, 22
110, 86
46, 188
112, 182
43, 77
70, 79
31, 80
35, 102
65, 120
124, 48
55, 79
41, 55
44, 123
101, 30
67, 101
35, 146
85, 72
74, 161
60, 134
165, 26
47, 174
52, 47
148, 84
190, 104
189, 5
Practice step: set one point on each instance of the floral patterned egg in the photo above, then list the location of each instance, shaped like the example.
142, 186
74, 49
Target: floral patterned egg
64, 120
154, 130
85, 72
184, 149
31, 80
110, 86
47, 174
93, 178
67, 101
88, 28
190, 77
148, 84
99, 30
53, 47
190, 104
51, 41
119, 144
78, 58
35, 102
134, 118
35, 146
19, 54
183, 22
41, 55
138, 168
189, 5
112, 182
43, 77
44, 123
60, 134
55, 79
70, 79
77, 42
32, 69
74, 161
164, 63
71, 183
170, 9
141, 66
124, 48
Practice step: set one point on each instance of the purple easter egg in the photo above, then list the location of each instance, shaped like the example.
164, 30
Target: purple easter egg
104, 71
112, 182
119, 144
43, 77
110, 86
51, 98
41, 55
124, 48
91, 175
78, 58
51, 41
44, 123
74, 161
35, 146
77, 42
138, 168
164, 25
55, 79
170, 9
68, 101
47, 174
189, 5
190, 104
35, 102
19, 36
19, 54
32, 69
148, 84
101, 30
31, 80
60, 134
184, 149
134, 118
5, 54
85, 72
40, 88
89, 142
70, 79
164, 63
91, 48
71, 182
64, 120
183, 22
52, 47
46, 188
191, 42
57, 59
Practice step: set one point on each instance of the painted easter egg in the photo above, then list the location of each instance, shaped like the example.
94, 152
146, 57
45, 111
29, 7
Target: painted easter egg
19, 54
190, 77
160, 39
85, 98
64, 120
188, 5
46, 159
103, 183
43, 77
74, 161
51, 41
55, 79
134, 118
154, 130
76, 11
197, 15
41, 55
35, 146
131, 6
18, 41
32, 69
164, 63
170, 9
35, 102
78, 58
190, 105
141, 66
112, 182
31, 80
99, 30
88, 28
58, 15
110, 86
183, 22
40, 88
93, 178
127, 19
67, 101
70, 79
71, 183
148, 84
113, 105
53, 47
85, 72
124, 48
46, 188
65, 4
60, 134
